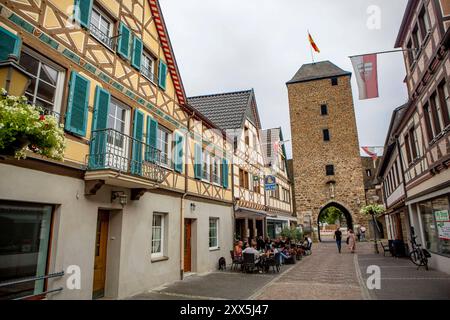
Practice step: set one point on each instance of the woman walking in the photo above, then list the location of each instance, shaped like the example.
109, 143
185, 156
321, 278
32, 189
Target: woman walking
351, 241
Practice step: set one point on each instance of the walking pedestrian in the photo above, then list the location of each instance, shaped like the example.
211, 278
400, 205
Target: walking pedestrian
338, 237
351, 240
363, 233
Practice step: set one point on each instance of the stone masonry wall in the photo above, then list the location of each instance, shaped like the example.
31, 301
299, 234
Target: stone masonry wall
311, 154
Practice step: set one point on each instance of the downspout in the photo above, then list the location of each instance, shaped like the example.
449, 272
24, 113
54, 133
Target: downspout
186, 148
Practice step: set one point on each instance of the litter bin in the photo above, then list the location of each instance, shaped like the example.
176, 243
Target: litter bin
398, 248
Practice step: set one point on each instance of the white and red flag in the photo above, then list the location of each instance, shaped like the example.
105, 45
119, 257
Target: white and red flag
366, 73
371, 152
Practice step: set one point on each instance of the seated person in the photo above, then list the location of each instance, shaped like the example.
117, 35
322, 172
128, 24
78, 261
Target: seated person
253, 250
238, 250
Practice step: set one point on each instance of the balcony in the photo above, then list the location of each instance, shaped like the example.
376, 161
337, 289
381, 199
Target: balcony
101, 36
120, 160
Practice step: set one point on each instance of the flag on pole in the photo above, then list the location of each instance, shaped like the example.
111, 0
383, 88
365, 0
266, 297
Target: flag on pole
313, 44
366, 72
370, 151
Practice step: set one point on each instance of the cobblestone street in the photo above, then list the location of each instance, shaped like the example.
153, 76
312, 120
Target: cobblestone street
324, 275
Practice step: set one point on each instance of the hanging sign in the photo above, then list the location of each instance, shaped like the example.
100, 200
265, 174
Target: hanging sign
270, 183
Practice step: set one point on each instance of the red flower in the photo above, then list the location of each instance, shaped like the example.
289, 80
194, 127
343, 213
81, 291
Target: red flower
41, 117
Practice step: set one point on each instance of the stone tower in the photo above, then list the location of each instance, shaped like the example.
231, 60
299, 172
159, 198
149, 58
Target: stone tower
325, 148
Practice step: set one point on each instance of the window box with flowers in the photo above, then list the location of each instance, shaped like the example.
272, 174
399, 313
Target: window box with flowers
24, 127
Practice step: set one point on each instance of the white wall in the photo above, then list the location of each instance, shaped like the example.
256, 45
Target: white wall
74, 229
204, 259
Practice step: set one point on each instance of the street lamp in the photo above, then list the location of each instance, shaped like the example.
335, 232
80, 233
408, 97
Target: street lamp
13, 78
374, 231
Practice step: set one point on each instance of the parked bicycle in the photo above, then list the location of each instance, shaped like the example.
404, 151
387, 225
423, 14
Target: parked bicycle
418, 255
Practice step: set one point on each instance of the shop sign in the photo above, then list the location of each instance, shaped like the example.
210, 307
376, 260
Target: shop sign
270, 183
441, 215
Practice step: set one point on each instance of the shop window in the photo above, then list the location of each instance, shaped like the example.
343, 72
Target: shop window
24, 247
436, 224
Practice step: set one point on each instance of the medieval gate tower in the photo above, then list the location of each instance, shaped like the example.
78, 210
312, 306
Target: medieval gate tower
325, 148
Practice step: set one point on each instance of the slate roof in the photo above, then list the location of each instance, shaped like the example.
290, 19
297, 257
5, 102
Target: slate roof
226, 110
316, 71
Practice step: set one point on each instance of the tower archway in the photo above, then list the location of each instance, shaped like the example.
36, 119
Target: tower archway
341, 208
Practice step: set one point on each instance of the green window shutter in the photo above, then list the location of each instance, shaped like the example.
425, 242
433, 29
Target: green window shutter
198, 161
123, 46
97, 153
77, 106
9, 44
178, 156
225, 173
138, 133
152, 132
137, 53
162, 75
82, 12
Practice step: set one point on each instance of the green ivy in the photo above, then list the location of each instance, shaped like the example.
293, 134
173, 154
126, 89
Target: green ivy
20, 121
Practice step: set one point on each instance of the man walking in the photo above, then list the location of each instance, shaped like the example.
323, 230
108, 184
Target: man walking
338, 237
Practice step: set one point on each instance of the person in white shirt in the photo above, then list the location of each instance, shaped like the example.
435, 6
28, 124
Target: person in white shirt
253, 250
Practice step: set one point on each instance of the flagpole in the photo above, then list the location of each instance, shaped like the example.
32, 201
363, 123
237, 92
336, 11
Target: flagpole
382, 52
310, 47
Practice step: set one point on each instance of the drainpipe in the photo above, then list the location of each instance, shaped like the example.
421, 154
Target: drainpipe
186, 148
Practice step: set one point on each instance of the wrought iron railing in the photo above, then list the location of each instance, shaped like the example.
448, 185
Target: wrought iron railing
148, 73
101, 36
111, 149
21, 281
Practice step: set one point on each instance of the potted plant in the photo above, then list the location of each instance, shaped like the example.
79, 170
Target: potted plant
24, 127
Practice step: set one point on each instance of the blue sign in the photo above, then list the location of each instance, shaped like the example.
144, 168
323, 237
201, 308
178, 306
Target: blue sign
270, 183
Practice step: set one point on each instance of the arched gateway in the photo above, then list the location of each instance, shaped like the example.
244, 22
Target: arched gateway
327, 165
345, 213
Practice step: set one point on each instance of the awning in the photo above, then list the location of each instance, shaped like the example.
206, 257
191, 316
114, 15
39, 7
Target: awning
280, 217
249, 213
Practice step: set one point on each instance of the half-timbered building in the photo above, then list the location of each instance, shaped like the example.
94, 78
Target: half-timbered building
144, 192
424, 130
237, 114
278, 201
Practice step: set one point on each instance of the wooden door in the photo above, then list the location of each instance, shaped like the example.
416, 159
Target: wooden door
101, 241
187, 245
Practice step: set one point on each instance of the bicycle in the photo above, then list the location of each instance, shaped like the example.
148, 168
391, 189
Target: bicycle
418, 256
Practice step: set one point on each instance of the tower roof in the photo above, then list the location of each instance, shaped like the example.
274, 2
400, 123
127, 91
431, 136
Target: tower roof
317, 71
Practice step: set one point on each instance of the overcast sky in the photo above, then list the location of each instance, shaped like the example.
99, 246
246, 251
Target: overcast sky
232, 45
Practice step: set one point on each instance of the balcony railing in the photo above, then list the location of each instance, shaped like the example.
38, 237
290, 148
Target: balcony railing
101, 36
111, 149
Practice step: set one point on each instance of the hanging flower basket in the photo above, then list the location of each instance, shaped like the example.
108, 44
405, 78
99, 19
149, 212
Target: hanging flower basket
23, 127
373, 209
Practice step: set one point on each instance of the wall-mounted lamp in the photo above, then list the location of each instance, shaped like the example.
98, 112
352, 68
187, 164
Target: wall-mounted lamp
193, 206
13, 78
123, 198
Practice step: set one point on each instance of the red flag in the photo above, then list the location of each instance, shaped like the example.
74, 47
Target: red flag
313, 44
372, 154
366, 73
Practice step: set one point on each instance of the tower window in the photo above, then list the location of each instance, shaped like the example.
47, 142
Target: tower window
326, 135
334, 81
329, 170
324, 110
